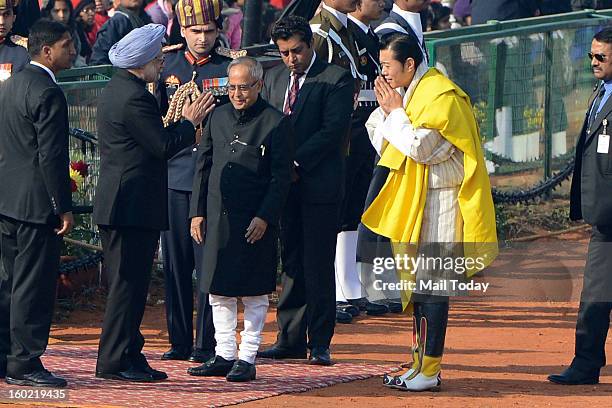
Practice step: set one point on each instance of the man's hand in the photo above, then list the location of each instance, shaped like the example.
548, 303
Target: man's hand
66, 223
388, 98
256, 230
196, 111
198, 229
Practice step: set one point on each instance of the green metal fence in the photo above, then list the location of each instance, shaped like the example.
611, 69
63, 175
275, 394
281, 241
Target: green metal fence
529, 81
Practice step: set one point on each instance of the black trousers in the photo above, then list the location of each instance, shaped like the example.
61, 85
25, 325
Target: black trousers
29, 255
179, 253
359, 168
128, 257
307, 304
595, 304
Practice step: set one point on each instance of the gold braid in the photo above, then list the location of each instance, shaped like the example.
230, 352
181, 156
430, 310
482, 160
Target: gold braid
175, 110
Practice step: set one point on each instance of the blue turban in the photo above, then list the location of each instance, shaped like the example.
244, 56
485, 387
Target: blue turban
139, 47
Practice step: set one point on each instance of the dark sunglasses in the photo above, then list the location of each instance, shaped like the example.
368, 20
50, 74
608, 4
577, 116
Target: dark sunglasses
598, 57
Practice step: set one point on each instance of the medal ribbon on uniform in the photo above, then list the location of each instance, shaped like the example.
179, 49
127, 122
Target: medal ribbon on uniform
195, 61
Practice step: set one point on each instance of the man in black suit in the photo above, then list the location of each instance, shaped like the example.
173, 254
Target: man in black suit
591, 200
319, 99
131, 197
36, 204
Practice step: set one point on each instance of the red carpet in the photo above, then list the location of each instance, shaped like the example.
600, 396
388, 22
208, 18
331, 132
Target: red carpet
77, 365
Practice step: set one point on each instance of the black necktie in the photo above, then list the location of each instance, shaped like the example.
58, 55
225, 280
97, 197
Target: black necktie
372, 35
596, 104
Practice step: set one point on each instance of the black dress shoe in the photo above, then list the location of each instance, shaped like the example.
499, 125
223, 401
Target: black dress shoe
394, 306
215, 367
177, 353
347, 308
156, 374
572, 376
320, 356
278, 353
40, 378
200, 356
343, 317
131, 374
372, 309
376, 309
241, 372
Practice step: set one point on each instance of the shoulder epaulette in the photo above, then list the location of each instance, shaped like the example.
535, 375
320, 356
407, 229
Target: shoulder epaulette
170, 48
229, 53
19, 40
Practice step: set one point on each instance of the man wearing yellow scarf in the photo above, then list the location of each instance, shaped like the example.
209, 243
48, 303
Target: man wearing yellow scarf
436, 203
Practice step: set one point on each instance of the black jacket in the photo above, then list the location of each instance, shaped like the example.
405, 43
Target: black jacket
120, 24
591, 191
134, 149
34, 162
243, 171
321, 118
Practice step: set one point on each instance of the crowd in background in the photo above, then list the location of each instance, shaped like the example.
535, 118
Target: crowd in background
86, 17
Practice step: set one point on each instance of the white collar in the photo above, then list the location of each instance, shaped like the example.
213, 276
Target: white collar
413, 19
418, 75
340, 16
364, 28
46, 69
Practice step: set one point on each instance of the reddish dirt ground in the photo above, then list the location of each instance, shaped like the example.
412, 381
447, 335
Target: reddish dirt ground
498, 354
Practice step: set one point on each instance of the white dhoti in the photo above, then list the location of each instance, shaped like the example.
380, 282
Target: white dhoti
225, 319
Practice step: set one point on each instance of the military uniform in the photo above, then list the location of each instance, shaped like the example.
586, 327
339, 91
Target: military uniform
13, 56
359, 167
334, 41
361, 154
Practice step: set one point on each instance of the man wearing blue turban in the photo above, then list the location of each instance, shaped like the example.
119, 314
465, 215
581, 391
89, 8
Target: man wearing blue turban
131, 197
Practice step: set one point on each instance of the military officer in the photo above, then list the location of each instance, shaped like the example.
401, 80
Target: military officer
12, 59
335, 42
201, 62
13, 53
350, 295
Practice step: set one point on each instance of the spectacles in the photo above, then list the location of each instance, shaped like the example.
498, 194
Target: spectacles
598, 57
241, 88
